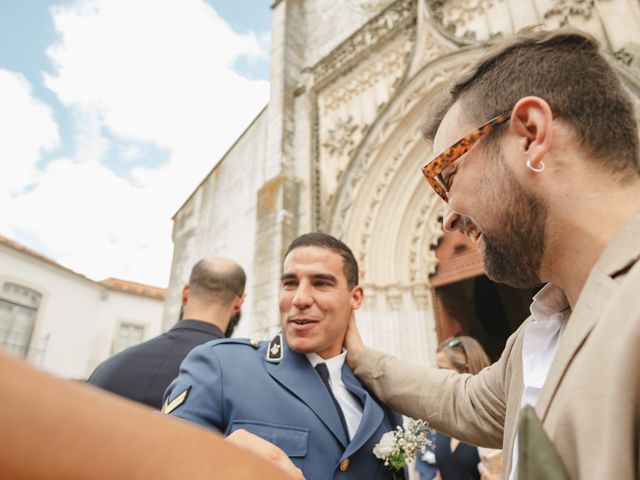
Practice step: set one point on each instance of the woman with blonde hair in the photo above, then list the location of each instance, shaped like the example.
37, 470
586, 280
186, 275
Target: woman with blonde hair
456, 460
463, 354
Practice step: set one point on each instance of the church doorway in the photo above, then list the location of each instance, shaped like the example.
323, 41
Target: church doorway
467, 302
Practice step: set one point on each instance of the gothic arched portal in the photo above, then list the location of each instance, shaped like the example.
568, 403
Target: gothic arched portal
386, 212
391, 219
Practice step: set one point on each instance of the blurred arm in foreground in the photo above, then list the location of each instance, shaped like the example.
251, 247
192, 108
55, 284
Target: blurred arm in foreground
81, 433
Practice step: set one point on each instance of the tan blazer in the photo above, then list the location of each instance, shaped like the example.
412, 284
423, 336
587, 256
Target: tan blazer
590, 402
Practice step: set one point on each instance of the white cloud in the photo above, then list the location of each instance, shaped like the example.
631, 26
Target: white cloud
96, 223
158, 72
27, 128
91, 144
138, 71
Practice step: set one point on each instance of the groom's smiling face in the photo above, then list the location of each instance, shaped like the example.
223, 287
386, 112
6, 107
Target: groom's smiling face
315, 301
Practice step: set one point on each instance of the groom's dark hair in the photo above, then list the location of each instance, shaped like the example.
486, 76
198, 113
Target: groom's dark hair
324, 240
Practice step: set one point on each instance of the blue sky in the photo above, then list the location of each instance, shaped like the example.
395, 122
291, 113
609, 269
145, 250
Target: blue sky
107, 109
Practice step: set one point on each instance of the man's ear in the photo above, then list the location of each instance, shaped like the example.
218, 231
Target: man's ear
237, 303
532, 119
185, 294
357, 295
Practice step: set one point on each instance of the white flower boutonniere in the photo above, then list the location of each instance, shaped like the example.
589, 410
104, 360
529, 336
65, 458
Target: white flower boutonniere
400, 446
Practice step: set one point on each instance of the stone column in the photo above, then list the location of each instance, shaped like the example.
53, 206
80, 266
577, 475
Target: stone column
276, 228
277, 203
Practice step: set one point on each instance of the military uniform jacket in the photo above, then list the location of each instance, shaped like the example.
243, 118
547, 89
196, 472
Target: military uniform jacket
590, 402
273, 392
143, 372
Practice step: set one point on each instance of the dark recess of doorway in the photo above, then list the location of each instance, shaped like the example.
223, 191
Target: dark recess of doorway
485, 310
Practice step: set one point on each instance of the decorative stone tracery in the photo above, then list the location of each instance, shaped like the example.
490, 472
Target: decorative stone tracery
386, 212
456, 15
392, 19
379, 136
481, 21
565, 9
340, 138
391, 64
368, 69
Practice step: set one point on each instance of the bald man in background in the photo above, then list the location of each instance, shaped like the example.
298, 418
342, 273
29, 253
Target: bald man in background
211, 304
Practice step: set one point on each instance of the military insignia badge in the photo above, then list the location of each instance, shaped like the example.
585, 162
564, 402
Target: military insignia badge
275, 351
169, 407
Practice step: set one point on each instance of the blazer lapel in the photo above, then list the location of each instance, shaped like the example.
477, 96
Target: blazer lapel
295, 373
372, 413
622, 251
582, 320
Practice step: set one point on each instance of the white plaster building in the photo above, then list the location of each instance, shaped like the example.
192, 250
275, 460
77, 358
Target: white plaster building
339, 149
65, 323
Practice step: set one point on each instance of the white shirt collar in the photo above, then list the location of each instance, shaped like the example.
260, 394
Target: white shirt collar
334, 365
549, 301
550, 311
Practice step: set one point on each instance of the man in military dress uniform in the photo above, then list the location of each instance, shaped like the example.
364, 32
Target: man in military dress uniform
295, 391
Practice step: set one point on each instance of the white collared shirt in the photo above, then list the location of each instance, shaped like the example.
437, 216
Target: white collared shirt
351, 408
550, 311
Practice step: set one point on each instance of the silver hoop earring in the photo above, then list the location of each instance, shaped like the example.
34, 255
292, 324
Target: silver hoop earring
534, 169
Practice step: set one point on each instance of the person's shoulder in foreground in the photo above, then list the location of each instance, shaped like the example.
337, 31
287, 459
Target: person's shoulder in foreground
126, 440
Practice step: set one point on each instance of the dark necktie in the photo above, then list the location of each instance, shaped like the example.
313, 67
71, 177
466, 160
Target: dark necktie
322, 370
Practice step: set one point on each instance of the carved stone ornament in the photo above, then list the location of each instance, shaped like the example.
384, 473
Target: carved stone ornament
431, 48
340, 138
564, 9
379, 193
392, 18
624, 56
373, 6
425, 236
337, 134
394, 297
421, 296
370, 298
455, 15
380, 134
390, 65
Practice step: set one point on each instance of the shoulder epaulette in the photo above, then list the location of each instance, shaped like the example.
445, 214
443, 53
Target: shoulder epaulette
250, 342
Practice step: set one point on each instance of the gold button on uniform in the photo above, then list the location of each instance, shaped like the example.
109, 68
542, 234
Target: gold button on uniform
344, 464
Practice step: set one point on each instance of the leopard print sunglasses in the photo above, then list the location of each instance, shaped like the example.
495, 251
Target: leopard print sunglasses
433, 171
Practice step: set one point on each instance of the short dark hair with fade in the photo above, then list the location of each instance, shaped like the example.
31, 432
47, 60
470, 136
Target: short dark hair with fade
567, 70
324, 240
217, 279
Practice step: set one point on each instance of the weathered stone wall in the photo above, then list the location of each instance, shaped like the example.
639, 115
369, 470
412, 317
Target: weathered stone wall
219, 217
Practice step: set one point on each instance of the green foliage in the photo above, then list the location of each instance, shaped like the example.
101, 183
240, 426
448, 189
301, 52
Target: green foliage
397, 460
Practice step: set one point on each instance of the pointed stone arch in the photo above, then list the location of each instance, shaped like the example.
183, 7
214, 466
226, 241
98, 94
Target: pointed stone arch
387, 214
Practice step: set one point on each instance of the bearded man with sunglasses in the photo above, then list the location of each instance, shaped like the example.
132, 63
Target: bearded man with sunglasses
548, 187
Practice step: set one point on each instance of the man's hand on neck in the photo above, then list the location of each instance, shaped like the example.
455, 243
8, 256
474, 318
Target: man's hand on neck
353, 343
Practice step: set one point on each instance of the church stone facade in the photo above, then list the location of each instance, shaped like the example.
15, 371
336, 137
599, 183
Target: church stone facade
338, 148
